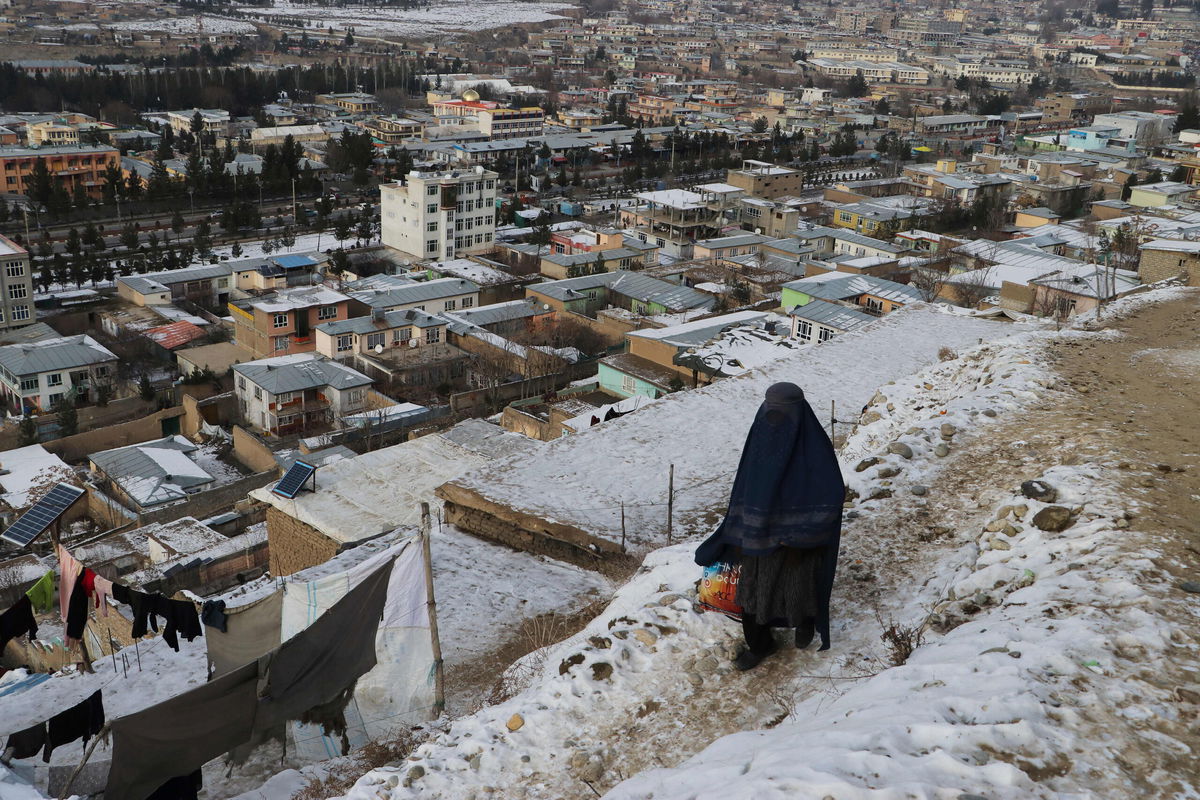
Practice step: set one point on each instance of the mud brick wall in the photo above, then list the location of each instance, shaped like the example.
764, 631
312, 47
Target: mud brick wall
295, 545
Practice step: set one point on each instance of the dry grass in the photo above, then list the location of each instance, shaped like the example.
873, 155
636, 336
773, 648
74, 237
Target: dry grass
901, 640
370, 756
946, 354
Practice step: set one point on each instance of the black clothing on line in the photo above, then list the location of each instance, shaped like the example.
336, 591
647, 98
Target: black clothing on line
77, 609
180, 616
212, 614
82, 721
16, 621
29, 742
183, 787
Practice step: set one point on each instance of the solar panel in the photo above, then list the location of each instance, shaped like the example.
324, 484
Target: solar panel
42, 515
290, 484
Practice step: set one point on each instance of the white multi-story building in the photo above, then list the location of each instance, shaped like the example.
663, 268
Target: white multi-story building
16, 285
440, 215
286, 394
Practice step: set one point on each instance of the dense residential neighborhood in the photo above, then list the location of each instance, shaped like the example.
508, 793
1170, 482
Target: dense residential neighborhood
398, 358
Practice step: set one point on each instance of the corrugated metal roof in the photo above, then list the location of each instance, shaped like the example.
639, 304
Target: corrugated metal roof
154, 472
156, 281
175, 334
67, 352
417, 292
832, 314
840, 288
391, 319
635, 285
298, 372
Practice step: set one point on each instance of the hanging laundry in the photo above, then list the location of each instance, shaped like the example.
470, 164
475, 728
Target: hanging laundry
251, 631
212, 614
29, 742
103, 591
77, 609
184, 787
41, 594
81, 721
180, 616
70, 568
16, 621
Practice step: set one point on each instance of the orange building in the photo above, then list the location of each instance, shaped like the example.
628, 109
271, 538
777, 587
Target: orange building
71, 166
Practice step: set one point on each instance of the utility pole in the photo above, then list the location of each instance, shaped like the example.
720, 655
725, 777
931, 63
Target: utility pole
439, 683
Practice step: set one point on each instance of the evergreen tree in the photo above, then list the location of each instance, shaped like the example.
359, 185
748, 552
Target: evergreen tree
41, 184
27, 432
68, 419
145, 389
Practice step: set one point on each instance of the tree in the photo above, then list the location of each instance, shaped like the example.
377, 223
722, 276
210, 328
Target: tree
339, 262
129, 237
598, 267
27, 432
883, 107
857, 85
41, 183
1189, 115
929, 281
203, 238
68, 419
177, 223
236, 250
760, 125
540, 235
146, 389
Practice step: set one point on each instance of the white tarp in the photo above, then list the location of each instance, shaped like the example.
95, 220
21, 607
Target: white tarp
400, 688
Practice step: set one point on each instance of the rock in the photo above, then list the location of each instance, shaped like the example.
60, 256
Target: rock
416, 773
866, 464
1187, 695
989, 412
919, 490
1192, 587
515, 722
668, 599
942, 450
1011, 530
995, 526
565, 665
601, 671
694, 679
707, 665
1003, 512
851, 494
645, 636
1053, 518
947, 430
900, 449
887, 472
869, 417
879, 494
474, 761
1039, 490
999, 544
1020, 511
1122, 524
600, 642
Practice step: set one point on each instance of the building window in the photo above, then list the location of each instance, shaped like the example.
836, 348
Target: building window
431, 190
874, 306
257, 393
433, 335
327, 312
281, 321
14, 269
345, 342
431, 226
467, 302
241, 383
450, 305
101, 371
431, 208
375, 340
284, 397
54, 379
804, 331
29, 384
281, 343
628, 384
18, 291
222, 283
431, 246
20, 313
825, 335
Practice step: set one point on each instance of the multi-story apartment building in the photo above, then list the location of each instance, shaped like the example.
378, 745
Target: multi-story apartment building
16, 285
36, 375
283, 323
351, 102
73, 167
440, 215
215, 121
765, 180
1071, 106
290, 393
391, 130
493, 119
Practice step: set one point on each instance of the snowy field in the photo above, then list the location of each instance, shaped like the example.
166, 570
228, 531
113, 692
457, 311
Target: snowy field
207, 24
441, 17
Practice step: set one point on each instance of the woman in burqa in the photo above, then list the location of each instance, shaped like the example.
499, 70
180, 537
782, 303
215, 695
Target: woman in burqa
783, 524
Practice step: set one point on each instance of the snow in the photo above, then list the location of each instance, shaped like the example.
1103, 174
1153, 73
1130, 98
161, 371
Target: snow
205, 24
26, 468
454, 15
583, 480
995, 703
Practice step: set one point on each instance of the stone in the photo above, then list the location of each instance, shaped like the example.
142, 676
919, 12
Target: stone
880, 493
601, 671
995, 526
516, 722
645, 636
707, 665
668, 599
600, 642
887, 472
1020, 511
919, 490
1039, 490
1053, 518
1187, 695
900, 449
989, 412
565, 665
947, 430
999, 544
866, 464
1003, 512
1011, 530
851, 494
694, 679
1192, 587
1122, 524
941, 450
416, 773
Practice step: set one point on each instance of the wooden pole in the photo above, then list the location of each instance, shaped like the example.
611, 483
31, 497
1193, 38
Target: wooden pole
670, 501
622, 527
66, 791
832, 417
439, 678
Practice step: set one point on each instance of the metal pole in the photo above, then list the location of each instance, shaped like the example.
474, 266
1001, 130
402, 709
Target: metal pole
670, 500
622, 527
439, 678
832, 417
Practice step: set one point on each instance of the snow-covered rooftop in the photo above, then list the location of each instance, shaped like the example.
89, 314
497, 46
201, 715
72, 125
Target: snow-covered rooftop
25, 468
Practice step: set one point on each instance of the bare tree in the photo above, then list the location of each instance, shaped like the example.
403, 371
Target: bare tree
929, 281
971, 291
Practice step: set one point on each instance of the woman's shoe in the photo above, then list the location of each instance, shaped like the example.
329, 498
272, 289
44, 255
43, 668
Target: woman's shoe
747, 660
805, 633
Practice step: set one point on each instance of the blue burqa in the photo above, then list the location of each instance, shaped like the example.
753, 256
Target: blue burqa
788, 492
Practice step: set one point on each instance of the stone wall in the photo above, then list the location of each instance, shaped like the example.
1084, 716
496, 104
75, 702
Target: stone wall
251, 453
1159, 265
205, 504
295, 545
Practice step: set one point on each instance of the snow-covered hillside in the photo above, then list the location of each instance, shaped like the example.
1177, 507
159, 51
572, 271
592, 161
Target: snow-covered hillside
440, 17
1033, 679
